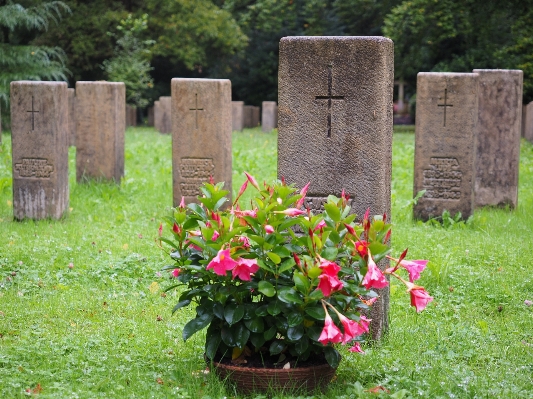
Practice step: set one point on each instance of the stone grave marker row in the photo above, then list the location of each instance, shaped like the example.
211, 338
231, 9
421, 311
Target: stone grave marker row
163, 115
269, 116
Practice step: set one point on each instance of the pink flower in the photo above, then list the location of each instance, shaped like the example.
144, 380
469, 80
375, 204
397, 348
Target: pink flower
245, 241
320, 225
414, 267
242, 190
356, 348
216, 234
176, 273
352, 329
303, 193
374, 278
160, 231
245, 268
350, 230
527, 302
364, 323
419, 298
330, 268
182, 203
252, 181
175, 228
222, 263
291, 212
269, 229
362, 248
330, 333
329, 282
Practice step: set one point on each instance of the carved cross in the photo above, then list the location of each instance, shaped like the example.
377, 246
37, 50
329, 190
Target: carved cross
329, 97
196, 109
32, 115
445, 105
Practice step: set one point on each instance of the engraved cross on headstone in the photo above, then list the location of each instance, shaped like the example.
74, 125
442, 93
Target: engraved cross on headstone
445, 105
32, 115
196, 109
329, 97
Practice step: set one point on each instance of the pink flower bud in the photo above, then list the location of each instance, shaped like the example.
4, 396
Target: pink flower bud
269, 229
252, 181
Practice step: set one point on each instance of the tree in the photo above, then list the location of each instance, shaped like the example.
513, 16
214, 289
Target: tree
131, 62
21, 60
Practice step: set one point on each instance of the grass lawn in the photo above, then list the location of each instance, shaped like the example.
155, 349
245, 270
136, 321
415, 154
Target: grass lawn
103, 328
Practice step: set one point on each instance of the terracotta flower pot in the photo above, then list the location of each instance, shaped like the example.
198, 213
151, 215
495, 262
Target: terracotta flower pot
248, 380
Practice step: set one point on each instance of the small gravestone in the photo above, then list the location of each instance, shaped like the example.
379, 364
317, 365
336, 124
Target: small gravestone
150, 116
247, 116
445, 134
72, 116
269, 117
256, 116
528, 128
335, 126
201, 135
100, 127
131, 115
498, 137
39, 129
157, 115
164, 115
237, 115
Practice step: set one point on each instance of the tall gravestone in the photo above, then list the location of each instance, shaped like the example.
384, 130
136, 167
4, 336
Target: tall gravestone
335, 126
165, 115
445, 134
528, 129
269, 117
498, 137
100, 127
39, 128
237, 115
131, 115
157, 116
256, 116
201, 135
247, 116
71, 116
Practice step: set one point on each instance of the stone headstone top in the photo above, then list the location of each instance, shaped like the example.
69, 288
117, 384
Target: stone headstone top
39, 127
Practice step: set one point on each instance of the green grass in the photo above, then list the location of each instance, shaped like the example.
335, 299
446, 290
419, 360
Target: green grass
103, 329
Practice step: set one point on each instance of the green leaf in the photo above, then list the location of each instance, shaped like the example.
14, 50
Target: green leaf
240, 334
255, 325
301, 282
377, 248
333, 357
181, 304
267, 289
301, 345
295, 333
196, 325
261, 311
257, 340
330, 253
274, 257
274, 308
212, 341
294, 319
227, 336
218, 310
288, 295
315, 295
233, 313
282, 252
286, 265
316, 312
333, 212
334, 237
276, 347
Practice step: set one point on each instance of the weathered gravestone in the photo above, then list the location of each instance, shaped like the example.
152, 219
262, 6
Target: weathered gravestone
157, 118
498, 137
445, 133
237, 115
131, 115
528, 128
256, 116
269, 117
201, 135
71, 116
163, 115
100, 127
335, 126
39, 128
150, 116
247, 116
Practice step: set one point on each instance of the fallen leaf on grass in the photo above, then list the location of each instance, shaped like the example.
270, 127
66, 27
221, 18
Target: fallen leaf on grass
35, 391
160, 381
378, 389
154, 287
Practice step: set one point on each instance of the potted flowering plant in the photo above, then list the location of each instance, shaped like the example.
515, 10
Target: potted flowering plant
277, 282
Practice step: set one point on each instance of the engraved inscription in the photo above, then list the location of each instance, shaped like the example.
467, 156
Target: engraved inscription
34, 167
443, 179
329, 98
194, 172
316, 204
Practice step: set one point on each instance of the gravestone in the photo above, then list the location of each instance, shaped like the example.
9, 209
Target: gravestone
269, 117
528, 129
157, 115
163, 115
256, 116
335, 126
150, 116
237, 115
71, 116
39, 131
100, 127
131, 115
201, 135
445, 134
498, 137
247, 116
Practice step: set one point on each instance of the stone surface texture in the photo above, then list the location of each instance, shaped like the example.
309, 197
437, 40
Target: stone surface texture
256, 116
237, 115
247, 116
150, 116
71, 116
269, 116
445, 134
131, 115
100, 127
528, 129
335, 125
201, 135
164, 115
498, 137
39, 131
